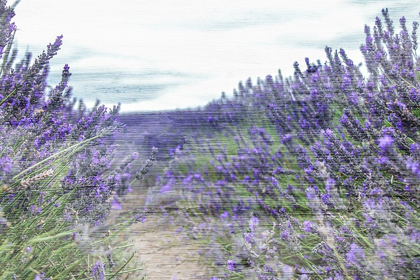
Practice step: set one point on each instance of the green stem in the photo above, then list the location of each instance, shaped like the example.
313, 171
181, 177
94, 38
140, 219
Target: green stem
121, 268
57, 154
6, 53
127, 271
7, 97
39, 239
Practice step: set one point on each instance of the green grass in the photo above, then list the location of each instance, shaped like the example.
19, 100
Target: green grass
48, 234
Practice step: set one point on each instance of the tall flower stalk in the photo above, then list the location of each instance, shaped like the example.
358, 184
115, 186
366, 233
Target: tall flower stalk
57, 172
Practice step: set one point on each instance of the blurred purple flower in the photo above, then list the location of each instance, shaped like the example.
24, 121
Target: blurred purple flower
230, 265
355, 255
253, 223
98, 271
385, 142
225, 215
116, 205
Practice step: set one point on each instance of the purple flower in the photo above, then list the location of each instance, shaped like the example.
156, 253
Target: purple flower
116, 205
253, 223
230, 265
248, 236
329, 184
225, 215
310, 193
413, 166
287, 138
325, 198
385, 143
355, 255
168, 187
308, 226
41, 276
98, 271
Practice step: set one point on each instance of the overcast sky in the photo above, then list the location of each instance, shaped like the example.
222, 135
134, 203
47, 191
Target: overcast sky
159, 55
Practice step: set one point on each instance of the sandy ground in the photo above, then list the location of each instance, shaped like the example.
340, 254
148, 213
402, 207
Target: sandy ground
164, 252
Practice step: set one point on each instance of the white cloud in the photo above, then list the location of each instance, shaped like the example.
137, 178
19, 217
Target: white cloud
218, 42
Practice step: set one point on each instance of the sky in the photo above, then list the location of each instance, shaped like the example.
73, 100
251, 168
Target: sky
162, 55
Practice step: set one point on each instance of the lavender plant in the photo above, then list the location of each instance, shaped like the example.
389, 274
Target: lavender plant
317, 176
57, 173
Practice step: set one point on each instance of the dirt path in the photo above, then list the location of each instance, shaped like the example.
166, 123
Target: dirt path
164, 251
166, 255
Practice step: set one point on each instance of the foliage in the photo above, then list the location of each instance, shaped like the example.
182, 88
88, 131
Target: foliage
315, 175
58, 177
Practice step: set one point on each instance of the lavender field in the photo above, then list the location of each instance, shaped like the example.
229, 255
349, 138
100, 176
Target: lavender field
314, 176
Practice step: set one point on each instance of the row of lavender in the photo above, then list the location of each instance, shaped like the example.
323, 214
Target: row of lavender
315, 176
58, 176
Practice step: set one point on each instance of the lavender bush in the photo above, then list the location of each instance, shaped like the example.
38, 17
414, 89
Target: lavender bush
58, 175
315, 176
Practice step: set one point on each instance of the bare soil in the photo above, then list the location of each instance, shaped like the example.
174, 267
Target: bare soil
165, 252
